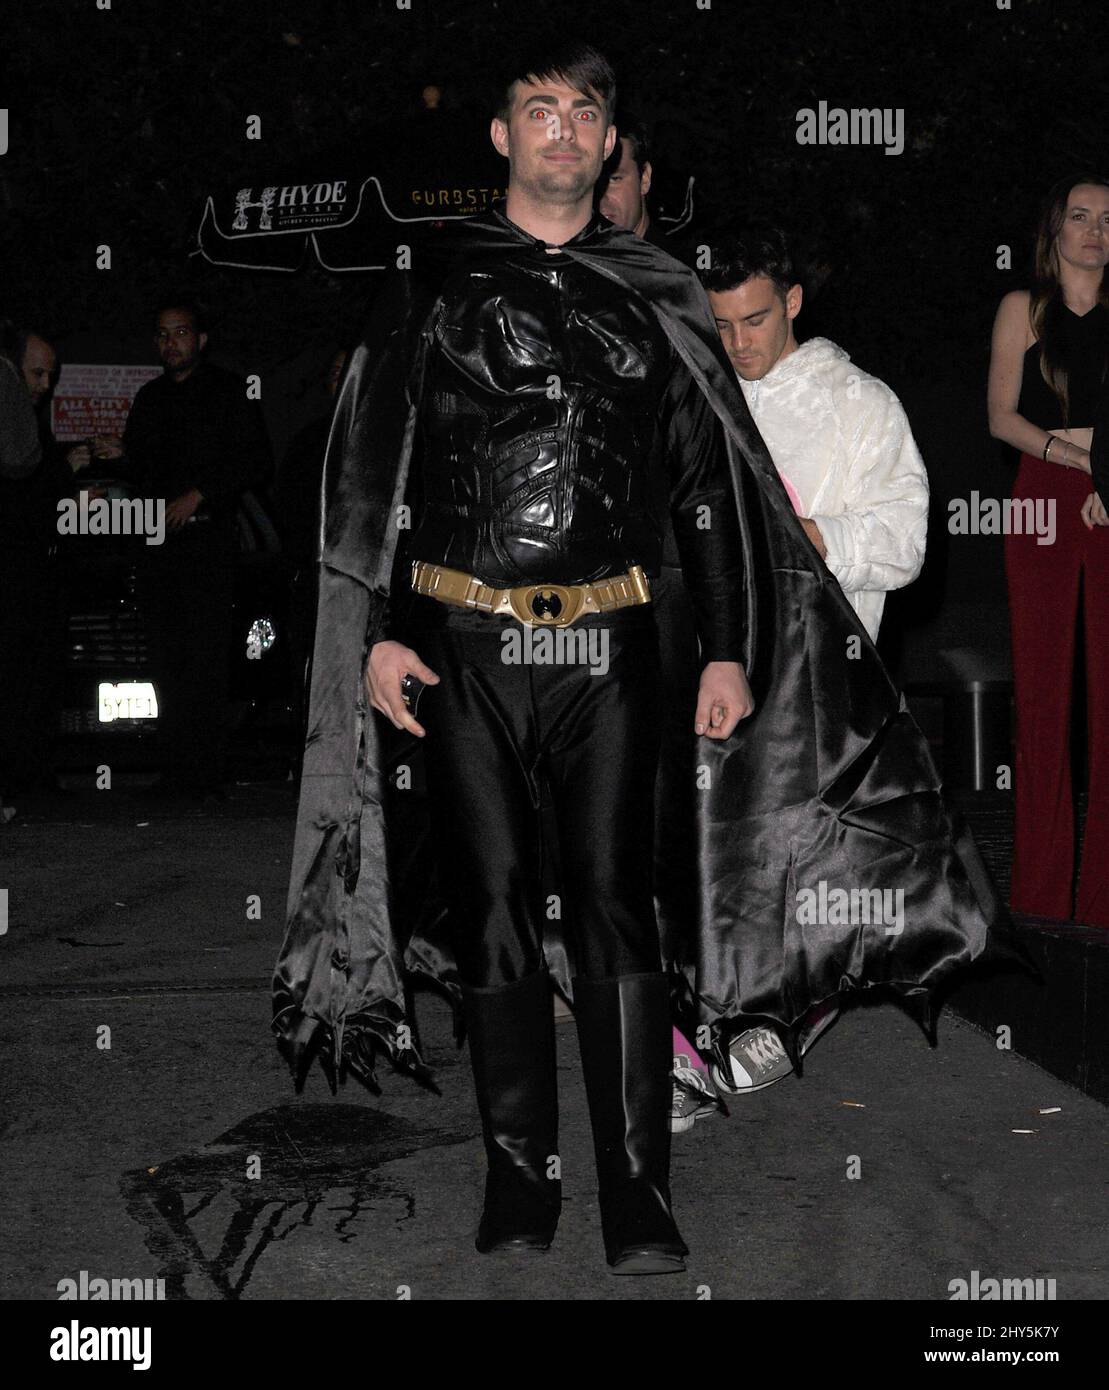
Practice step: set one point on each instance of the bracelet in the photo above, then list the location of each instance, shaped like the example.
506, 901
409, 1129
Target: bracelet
1047, 448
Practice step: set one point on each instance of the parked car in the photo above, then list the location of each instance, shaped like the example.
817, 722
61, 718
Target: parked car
110, 686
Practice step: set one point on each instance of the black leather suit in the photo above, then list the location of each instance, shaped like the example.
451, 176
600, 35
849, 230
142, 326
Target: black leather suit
561, 440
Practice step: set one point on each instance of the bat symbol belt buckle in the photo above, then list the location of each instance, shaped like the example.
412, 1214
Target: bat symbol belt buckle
547, 605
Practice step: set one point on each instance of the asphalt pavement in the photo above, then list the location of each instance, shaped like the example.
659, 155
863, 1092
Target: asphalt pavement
149, 1129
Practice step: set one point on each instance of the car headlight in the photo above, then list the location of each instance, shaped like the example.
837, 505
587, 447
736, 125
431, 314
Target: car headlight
260, 638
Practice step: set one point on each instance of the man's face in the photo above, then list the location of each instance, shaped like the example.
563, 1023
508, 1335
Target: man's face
622, 200
756, 326
39, 362
555, 141
335, 372
179, 344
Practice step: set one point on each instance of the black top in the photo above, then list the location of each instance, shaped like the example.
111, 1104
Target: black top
657, 237
29, 506
1085, 342
296, 492
202, 432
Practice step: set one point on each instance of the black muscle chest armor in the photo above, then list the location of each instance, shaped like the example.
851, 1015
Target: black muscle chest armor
542, 457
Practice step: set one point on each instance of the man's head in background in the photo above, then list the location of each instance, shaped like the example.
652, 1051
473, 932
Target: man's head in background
754, 296
180, 333
334, 373
39, 364
33, 357
626, 180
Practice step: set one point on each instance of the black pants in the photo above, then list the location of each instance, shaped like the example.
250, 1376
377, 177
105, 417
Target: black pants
189, 585
494, 729
32, 647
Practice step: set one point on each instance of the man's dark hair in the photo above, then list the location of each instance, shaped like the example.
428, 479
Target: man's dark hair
630, 128
757, 248
13, 342
576, 64
187, 301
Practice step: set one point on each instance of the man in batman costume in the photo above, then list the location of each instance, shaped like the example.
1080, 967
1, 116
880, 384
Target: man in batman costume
532, 424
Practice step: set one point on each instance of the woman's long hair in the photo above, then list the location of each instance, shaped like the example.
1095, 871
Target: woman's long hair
1046, 304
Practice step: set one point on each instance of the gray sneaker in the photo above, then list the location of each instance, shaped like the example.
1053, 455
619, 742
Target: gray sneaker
693, 1096
757, 1059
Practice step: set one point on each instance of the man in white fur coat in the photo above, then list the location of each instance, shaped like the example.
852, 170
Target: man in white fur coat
839, 437
845, 453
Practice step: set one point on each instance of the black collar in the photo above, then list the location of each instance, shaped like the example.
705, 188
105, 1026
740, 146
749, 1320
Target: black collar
595, 224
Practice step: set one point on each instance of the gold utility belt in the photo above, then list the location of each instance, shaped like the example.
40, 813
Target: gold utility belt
537, 605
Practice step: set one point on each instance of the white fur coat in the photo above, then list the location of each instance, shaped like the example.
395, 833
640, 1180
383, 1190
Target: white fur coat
842, 445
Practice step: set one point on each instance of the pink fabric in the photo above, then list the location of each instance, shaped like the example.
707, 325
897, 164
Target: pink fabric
790, 493
683, 1047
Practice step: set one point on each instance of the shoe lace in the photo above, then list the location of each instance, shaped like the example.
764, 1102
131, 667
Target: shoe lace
689, 1079
765, 1048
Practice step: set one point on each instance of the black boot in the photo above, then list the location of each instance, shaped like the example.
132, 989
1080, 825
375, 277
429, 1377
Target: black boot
512, 1050
624, 1032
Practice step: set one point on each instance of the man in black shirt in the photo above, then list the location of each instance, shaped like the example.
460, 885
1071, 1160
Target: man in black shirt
625, 182
32, 618
194, 441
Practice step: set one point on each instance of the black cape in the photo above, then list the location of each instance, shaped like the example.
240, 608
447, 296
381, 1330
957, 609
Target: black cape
828, 789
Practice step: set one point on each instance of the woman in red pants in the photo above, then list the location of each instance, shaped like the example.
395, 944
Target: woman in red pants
1048, 360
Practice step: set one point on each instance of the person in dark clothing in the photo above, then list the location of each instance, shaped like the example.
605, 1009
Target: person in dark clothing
20, 449
32, 614
623, 200
534, 401
194, 442
626, 181
1047, 366
551, 495
297, 503
32, 602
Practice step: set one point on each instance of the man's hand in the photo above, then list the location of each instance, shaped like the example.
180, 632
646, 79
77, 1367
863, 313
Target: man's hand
1093, 512
723, 699
107, 446
812, 530
388, 664
181, 508
79, 456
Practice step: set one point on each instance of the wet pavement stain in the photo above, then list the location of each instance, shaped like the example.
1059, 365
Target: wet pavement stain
97, 945
315, 1162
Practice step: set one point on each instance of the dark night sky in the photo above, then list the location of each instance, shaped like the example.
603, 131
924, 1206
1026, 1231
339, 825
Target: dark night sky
122, 120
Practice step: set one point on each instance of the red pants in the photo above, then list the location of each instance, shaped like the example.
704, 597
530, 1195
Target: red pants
1045, 584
